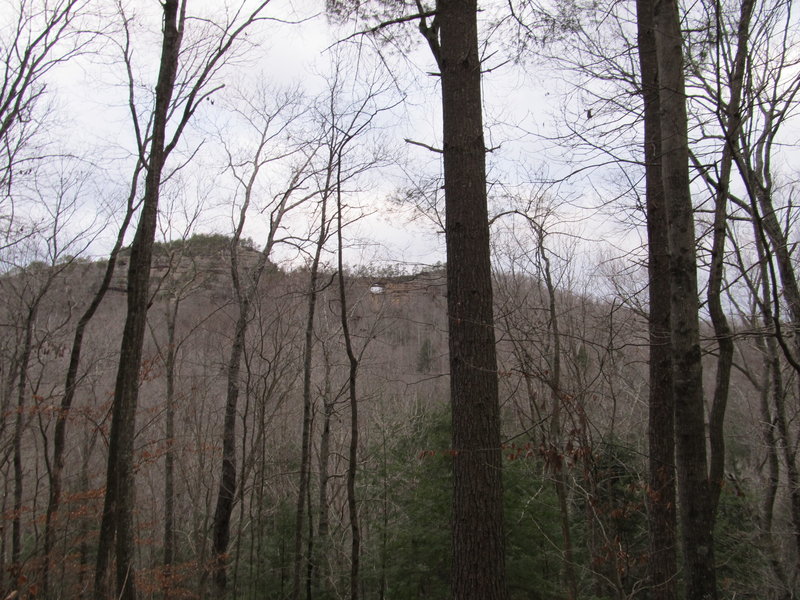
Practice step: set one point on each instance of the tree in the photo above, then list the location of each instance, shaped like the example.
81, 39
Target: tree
118, 509
731, 123
696, 514
41, 37
451, 31
267, 124
554, 437
352, 378
478, 538
55, 241
184, 279
346, 114
72, 380
661, 421
117, 520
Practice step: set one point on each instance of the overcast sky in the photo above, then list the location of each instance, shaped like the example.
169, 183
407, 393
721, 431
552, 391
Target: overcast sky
526, 105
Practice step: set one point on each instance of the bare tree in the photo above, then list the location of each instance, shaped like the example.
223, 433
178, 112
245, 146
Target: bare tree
748, 73
117, 520
50, 252
39, 38
267, 125
184, 278
346, 114
72, 381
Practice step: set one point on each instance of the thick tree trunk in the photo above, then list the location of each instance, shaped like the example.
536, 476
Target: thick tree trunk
478, 542
120, 486
662, 565
692, 466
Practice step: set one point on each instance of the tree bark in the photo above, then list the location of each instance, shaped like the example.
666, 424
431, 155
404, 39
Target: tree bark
120, 485
227, 482
245, 296
318, 572
662, 523
19, 425
771, 387
308, 360
478, 539
169, 433
692, 466
731, 124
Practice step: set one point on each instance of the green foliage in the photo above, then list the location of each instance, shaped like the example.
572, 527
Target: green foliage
742, 565
264, 565
417, 551
200, 244
533, 534
418, 542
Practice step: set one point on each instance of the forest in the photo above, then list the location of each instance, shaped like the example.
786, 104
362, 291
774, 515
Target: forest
395, 299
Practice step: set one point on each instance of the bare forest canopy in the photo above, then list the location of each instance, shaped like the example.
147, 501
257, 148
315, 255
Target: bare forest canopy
394, 299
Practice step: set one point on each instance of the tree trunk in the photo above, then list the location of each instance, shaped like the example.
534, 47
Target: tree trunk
771, 387
558, 462
662, 565
70, 386
775, 249
352, 462
169, 455
3, 536
731, 125
227, 481
478, 539
692, 467
245, 296
318, 573
775, 428
19, 425
308, 358
120, 486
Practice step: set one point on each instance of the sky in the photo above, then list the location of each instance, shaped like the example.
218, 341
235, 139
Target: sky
284, 55
526, 106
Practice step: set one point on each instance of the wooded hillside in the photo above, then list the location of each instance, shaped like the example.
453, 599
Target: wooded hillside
583, 436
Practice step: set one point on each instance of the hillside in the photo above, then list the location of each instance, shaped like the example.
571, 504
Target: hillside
398, 326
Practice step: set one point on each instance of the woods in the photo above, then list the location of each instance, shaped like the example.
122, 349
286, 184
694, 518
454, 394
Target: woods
575, 376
